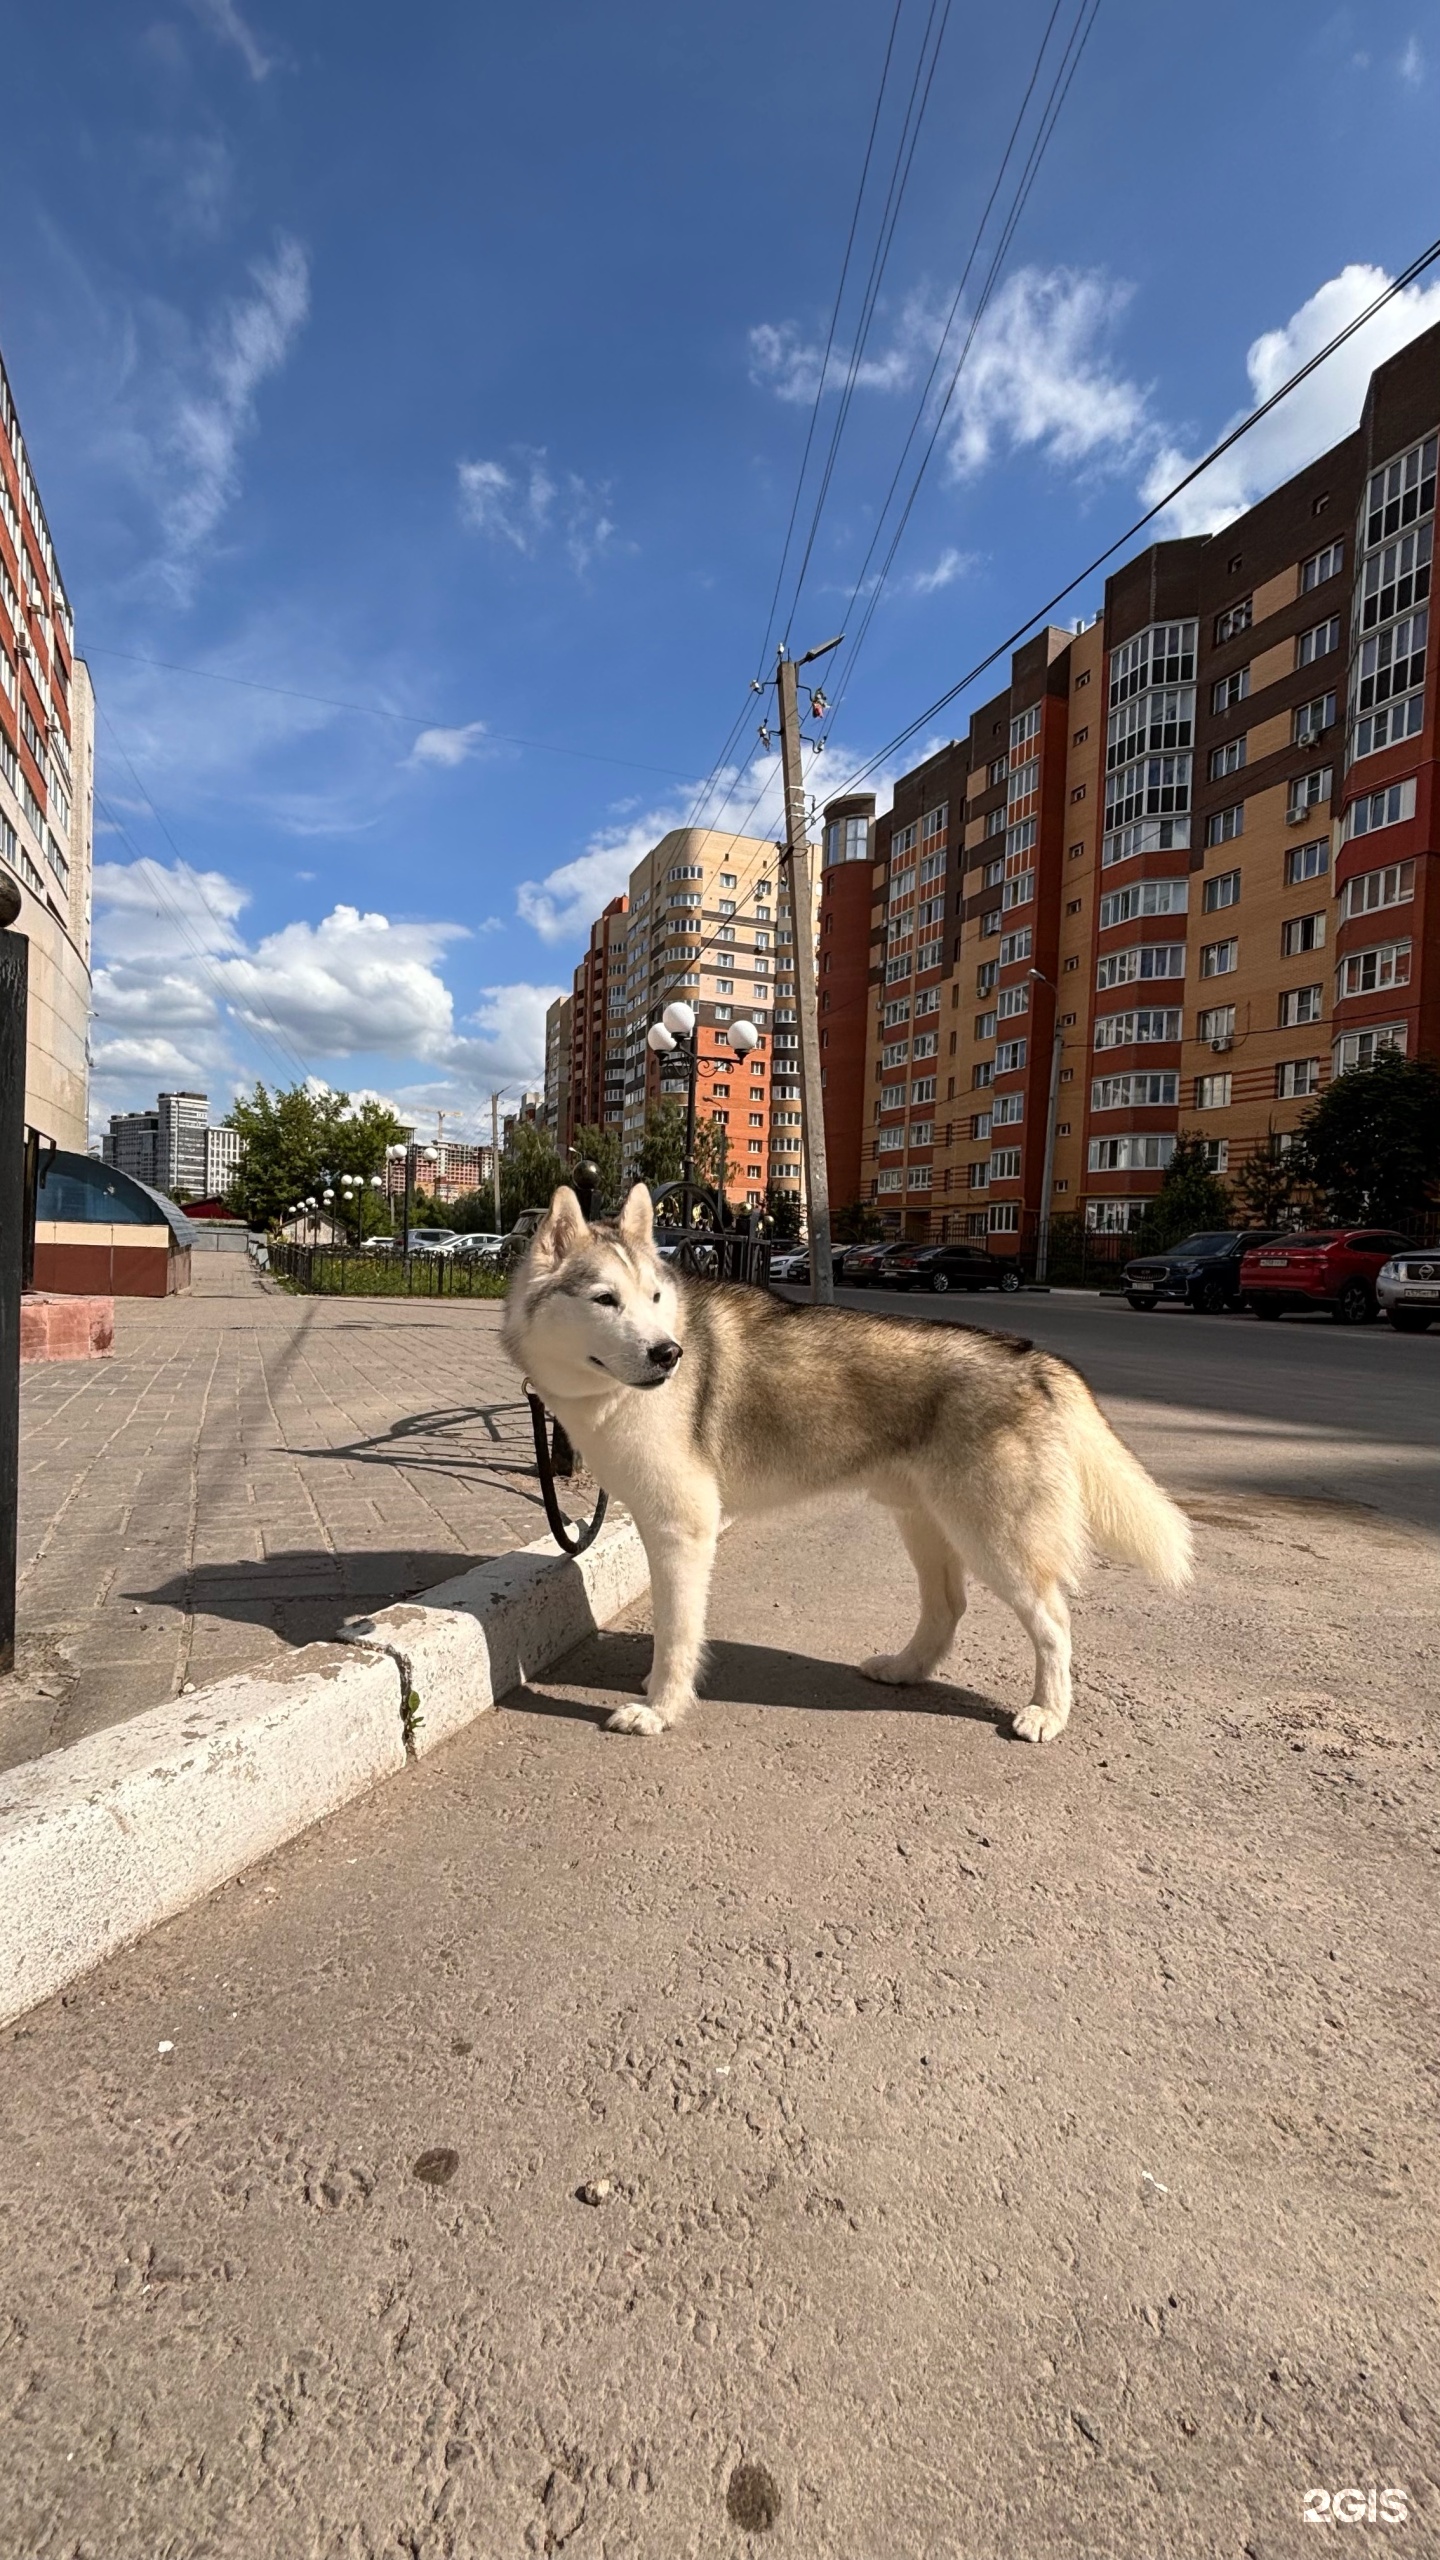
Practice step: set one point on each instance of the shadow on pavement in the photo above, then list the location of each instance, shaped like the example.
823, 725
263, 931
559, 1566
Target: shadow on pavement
756, 1675
306, 1593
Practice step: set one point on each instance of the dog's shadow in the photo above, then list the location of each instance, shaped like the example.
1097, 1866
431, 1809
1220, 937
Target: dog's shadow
753, 1675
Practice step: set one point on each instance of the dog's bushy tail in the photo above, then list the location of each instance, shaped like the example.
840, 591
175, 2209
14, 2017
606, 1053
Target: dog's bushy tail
1128, 1516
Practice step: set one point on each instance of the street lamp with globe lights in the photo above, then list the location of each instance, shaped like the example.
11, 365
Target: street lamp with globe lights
674, 1036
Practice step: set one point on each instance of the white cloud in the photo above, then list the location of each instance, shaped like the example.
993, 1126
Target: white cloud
505, 1037
952, 564
526, 503
352, 984
1411, 65
225, 21
1037, 375
1322, 411
448, 746
784, 361
214, 413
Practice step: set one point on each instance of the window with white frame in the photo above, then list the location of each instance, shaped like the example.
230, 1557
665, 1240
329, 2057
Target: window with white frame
1145, 835
922, 1133
1137, 1152
1016, 946
1221, 891
1217, 959
1228, 690
1012, 1000
1362, 1048
1151, 1091
980, 1122
1320, 566
926, 1044
1394, 886
1388, 697
1021, 840
1142, 960
903, 842
932, 867
891, 1178
1302, 933
891, 1141
1400, 492
1378, 809
1300, 1004
1109, 1217
1004, 1164
1024, 727
1228, 758
934, 825
1215, 1154
1009, 1110
1215, 1022
1364, 973
1212, 1093
1317, 642
1009, 1055
897, 1010
985, 1026
1295, 1077
1144, 898
1235, 619
980, 1176
927, 1001
1394, 578
892, 1097
983, 1073
1309, 720
1138, 1030
1307, 861
1223, 824
1019, 891
895, 1053
1004, 1217
918, 1178
1307, 792
923, 1089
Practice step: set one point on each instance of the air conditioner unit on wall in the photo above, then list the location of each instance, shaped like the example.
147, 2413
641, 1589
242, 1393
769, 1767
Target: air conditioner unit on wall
1220, 1047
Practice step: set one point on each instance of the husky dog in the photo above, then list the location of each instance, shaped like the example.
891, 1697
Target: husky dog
692, 1402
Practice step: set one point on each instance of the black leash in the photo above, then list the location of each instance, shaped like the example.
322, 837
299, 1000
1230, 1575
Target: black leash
573, 1535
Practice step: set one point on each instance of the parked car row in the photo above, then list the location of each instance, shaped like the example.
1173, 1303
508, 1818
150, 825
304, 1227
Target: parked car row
1353, 1273
938, 1267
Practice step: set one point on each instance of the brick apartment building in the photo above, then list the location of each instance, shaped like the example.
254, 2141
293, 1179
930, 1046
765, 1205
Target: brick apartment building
558, 1115
847, 854
46, 791
597, 1025
1195, 842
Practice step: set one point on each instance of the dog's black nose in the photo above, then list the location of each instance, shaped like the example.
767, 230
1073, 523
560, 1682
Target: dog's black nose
663, 1356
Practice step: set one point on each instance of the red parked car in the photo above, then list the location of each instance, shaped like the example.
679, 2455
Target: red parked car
1332, 1267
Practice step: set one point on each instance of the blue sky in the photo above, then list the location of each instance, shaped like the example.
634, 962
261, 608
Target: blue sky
445, 380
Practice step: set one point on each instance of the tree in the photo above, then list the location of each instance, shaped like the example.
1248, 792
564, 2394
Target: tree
1370, 1146
662, 1149
1189, 1198
600, 1147
531, 1170
1268, 1185
857, 1224
783, 1210
298, 1136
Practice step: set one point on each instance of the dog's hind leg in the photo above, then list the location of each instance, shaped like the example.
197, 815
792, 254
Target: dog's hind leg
940, 1572
681, 1556
1044, 1613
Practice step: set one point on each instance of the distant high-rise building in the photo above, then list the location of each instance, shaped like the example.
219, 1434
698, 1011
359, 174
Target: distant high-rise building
184, 1126
132, 1145
224, 1149
597, 1026
559, 1048
173, 1147
46, 769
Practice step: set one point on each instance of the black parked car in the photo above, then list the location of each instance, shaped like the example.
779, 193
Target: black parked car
947, 1266
1201, 1272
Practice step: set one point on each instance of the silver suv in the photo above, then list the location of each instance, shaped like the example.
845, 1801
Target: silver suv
1408, 1288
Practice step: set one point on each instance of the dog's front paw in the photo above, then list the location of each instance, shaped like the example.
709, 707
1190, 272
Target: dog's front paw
635, 1719
892, 1668
1040, 1724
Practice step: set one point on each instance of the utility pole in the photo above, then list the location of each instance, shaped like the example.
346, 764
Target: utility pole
495, 1155
14, 988
802, 904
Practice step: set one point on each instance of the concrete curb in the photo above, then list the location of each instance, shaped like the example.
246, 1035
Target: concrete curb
101, 1842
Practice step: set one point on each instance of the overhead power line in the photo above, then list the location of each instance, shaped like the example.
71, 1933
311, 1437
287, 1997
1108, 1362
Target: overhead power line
1407, 277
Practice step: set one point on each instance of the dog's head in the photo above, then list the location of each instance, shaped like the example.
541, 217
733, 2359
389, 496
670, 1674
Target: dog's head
594, 1304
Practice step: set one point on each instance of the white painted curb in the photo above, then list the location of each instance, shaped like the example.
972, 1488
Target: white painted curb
102, 1841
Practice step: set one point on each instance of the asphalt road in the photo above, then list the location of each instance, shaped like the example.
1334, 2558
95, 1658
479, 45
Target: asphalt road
1365, 1398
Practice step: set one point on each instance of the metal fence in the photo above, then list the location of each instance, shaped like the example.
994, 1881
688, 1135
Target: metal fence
338, 1271
722, 1253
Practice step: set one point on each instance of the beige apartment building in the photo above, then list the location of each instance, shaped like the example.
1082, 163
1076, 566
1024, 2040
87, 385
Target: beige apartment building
46, 794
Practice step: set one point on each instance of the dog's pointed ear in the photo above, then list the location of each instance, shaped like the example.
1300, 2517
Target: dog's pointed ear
637, 1219
561, 1229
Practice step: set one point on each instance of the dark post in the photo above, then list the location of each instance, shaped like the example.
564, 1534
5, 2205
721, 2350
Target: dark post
14, 995
692, 1070
409, 1199
584, 1177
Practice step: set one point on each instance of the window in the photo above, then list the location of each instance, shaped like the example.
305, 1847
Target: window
930, 911
995, 823
1390, 673
1004, 1164
1148, 1092
1079, 738
1217, 959
999, 768
1212, 1093
993, 873
1225, 823
923, 1089
1009, 1110
1134, 1153
926, 1044
985, 976
1296, 1076
1024, 727
1109, 1217
1142, 960
1307, 793
922, 1132
989, 923
891, 1141
980, 1176
892, 1098
892, 1180
1073, 906
933, 826
1230, 690
1229, 758
1235, 618
1380, 809
1019, 891
1216, 1022
932, 867
980, 1124
1302, 933
1004, 1217
903, 842
1222, 891
1310, 719
686, 871
984, 1026
983, 1074
1013, 1000
1143, 898
1081, 791
1299, 1004
1216, 1154
898, 966
895, 1053
1322, 565
1318, 642
918, 1178
898, 1010
1391, 887
1134, 1030
1362, 1048
847, 840
1015, 946
1395, 579
1400, 492
1363, 973
1009, 1055
1307, 862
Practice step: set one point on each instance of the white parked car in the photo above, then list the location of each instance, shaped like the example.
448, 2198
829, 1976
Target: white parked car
478, 1241
431, 1239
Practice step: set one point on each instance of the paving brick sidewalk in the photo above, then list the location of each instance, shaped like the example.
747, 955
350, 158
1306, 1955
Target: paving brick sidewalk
249, 1469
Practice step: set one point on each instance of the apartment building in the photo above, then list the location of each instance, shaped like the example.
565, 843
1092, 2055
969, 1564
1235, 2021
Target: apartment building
46, 794
843, 977
709, 925
168, 1147
559, 1052
1198, 874
597, 1025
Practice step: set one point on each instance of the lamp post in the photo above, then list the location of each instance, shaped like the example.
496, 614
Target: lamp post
674, 1036
1047, 1178
14, 992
